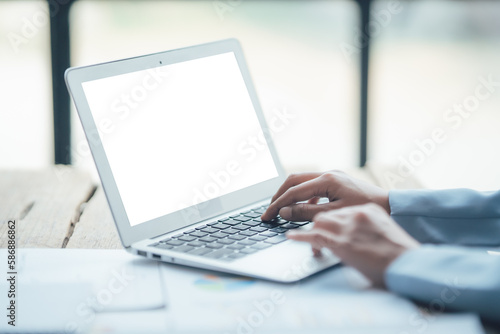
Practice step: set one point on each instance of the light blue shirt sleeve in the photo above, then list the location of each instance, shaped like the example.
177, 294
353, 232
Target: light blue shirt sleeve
447, 278
455, 216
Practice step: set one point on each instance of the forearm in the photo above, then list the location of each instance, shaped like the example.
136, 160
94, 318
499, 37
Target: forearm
448, 278
458, 216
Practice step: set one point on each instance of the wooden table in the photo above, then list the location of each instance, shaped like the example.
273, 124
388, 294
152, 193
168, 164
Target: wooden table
62, 207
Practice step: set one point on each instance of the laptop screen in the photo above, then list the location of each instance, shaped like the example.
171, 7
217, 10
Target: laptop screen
179, 135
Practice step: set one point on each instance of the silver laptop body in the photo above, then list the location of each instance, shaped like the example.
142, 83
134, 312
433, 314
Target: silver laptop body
182, 148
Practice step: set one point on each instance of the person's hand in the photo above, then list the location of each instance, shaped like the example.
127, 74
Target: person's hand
340, 189
364, 237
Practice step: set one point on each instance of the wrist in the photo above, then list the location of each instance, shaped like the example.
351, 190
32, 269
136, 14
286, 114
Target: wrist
383, 200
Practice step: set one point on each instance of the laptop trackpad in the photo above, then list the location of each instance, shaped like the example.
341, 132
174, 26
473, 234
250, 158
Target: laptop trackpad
287, 262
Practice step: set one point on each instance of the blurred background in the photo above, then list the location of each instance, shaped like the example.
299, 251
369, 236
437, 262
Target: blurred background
426, 58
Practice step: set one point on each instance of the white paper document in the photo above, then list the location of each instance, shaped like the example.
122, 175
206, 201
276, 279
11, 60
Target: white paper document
67, 289
111, 291
338, 300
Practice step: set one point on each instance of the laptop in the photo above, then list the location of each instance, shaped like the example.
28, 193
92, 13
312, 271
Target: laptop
187, 161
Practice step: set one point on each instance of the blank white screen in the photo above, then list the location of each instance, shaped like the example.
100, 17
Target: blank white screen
179, 135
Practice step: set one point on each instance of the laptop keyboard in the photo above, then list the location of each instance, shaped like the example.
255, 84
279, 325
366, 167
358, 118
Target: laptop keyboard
231, 238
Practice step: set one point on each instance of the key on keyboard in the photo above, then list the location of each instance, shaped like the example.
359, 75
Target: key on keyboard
232, 237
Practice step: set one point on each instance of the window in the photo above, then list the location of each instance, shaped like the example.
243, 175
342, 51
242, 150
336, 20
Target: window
428, 58
26, 131
291, 47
